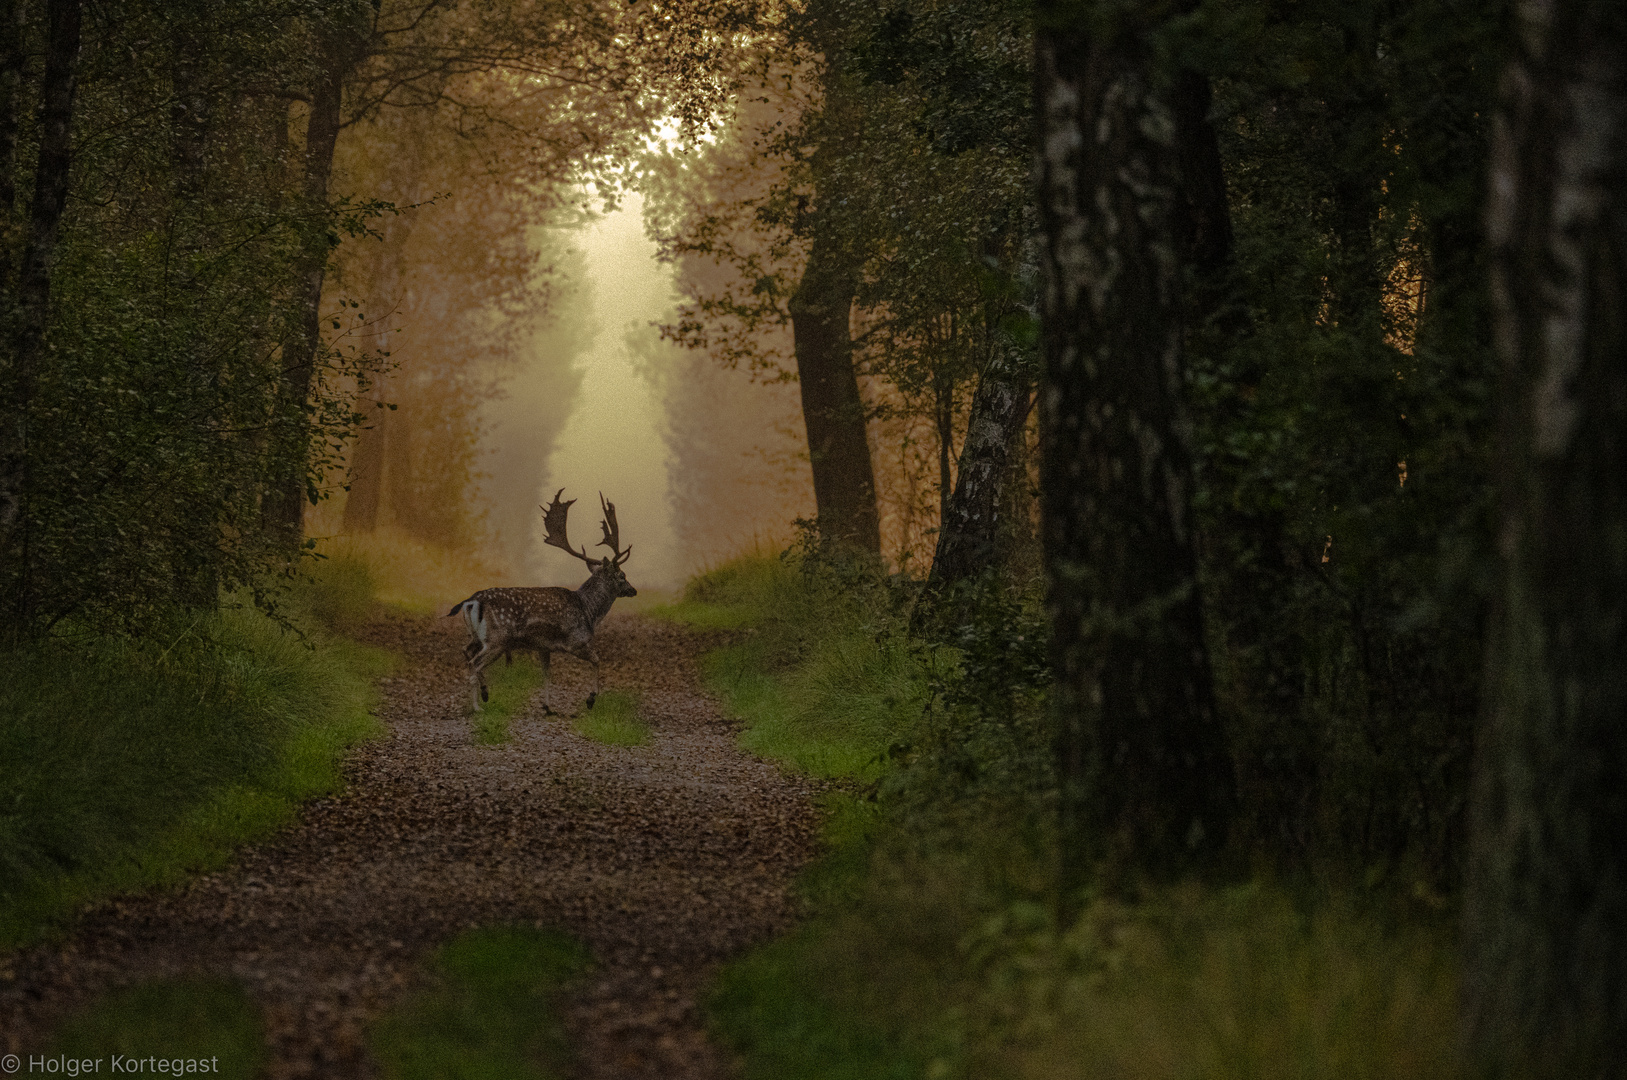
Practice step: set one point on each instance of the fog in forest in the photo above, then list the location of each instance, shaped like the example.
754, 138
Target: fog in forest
611, 442
700, 461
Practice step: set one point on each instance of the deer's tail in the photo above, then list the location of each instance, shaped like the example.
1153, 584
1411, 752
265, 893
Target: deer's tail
457, 607
474, 614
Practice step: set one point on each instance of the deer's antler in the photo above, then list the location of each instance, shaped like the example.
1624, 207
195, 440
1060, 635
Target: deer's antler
612, 533
553, 526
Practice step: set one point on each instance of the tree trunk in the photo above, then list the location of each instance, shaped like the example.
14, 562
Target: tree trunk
284, 504
33, 297
1143, 765
1545, 911
844, 482
972, 532
1254, 586
11, 106
284, 508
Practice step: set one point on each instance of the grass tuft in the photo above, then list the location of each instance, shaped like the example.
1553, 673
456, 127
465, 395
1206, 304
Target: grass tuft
211, 1022
614, 721
488, 1013
512, 688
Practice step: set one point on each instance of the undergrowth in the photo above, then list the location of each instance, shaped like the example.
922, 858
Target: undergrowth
931, 947
488, 1013
408, 573
130, 763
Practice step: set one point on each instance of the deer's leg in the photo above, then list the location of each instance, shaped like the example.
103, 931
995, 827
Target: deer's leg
477, 674
546, 659
583, 650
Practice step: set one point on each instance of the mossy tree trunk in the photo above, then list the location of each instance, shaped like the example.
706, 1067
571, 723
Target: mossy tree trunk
348, 40
1145, 776
1545, 914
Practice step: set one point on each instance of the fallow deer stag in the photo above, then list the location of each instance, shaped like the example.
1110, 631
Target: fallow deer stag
552, 619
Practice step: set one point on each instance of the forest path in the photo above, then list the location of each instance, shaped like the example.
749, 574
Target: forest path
664, 859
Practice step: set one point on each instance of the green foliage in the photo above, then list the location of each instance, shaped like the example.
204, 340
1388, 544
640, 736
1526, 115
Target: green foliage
488, 1011
1342, 393
1242, 983
127, 763
157, 417
613, 720
211, 1022
511, 691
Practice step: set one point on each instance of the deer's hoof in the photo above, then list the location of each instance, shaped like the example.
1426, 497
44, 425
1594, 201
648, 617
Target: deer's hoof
484, 695
592, 698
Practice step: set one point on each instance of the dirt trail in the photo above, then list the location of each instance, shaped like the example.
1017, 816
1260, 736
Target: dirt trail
665, 859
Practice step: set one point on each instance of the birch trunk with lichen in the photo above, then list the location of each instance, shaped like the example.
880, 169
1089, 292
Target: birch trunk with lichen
1545, 911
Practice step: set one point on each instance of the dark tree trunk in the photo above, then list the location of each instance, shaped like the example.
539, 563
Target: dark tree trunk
33, 294
1143, 764
943, 413
1203, 219
1255, 587
844, 482
1357, 118
972, 534
284, 505
11, 107
1545, 912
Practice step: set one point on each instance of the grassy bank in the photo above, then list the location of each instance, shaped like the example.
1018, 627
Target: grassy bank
931, 947
127, 764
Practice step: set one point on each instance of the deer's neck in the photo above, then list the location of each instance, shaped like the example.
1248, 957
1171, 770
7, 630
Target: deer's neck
597, 595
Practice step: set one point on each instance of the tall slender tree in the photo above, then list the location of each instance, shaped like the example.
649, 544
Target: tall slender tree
1144, 770
31, 302
1545, 915
844, 479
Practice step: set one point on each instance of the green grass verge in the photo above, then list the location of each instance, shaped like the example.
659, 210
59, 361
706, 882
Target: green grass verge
822, 679
613, 720
511, 689
209, 1022
488, 1013
128, 764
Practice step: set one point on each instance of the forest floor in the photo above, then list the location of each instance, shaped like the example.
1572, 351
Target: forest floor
663, 859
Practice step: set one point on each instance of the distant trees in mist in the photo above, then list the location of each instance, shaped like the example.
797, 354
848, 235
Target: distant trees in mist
183, 371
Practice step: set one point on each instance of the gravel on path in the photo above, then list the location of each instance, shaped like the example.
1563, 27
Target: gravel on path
665, 859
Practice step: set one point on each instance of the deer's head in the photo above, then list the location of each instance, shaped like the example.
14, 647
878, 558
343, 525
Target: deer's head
607, 569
